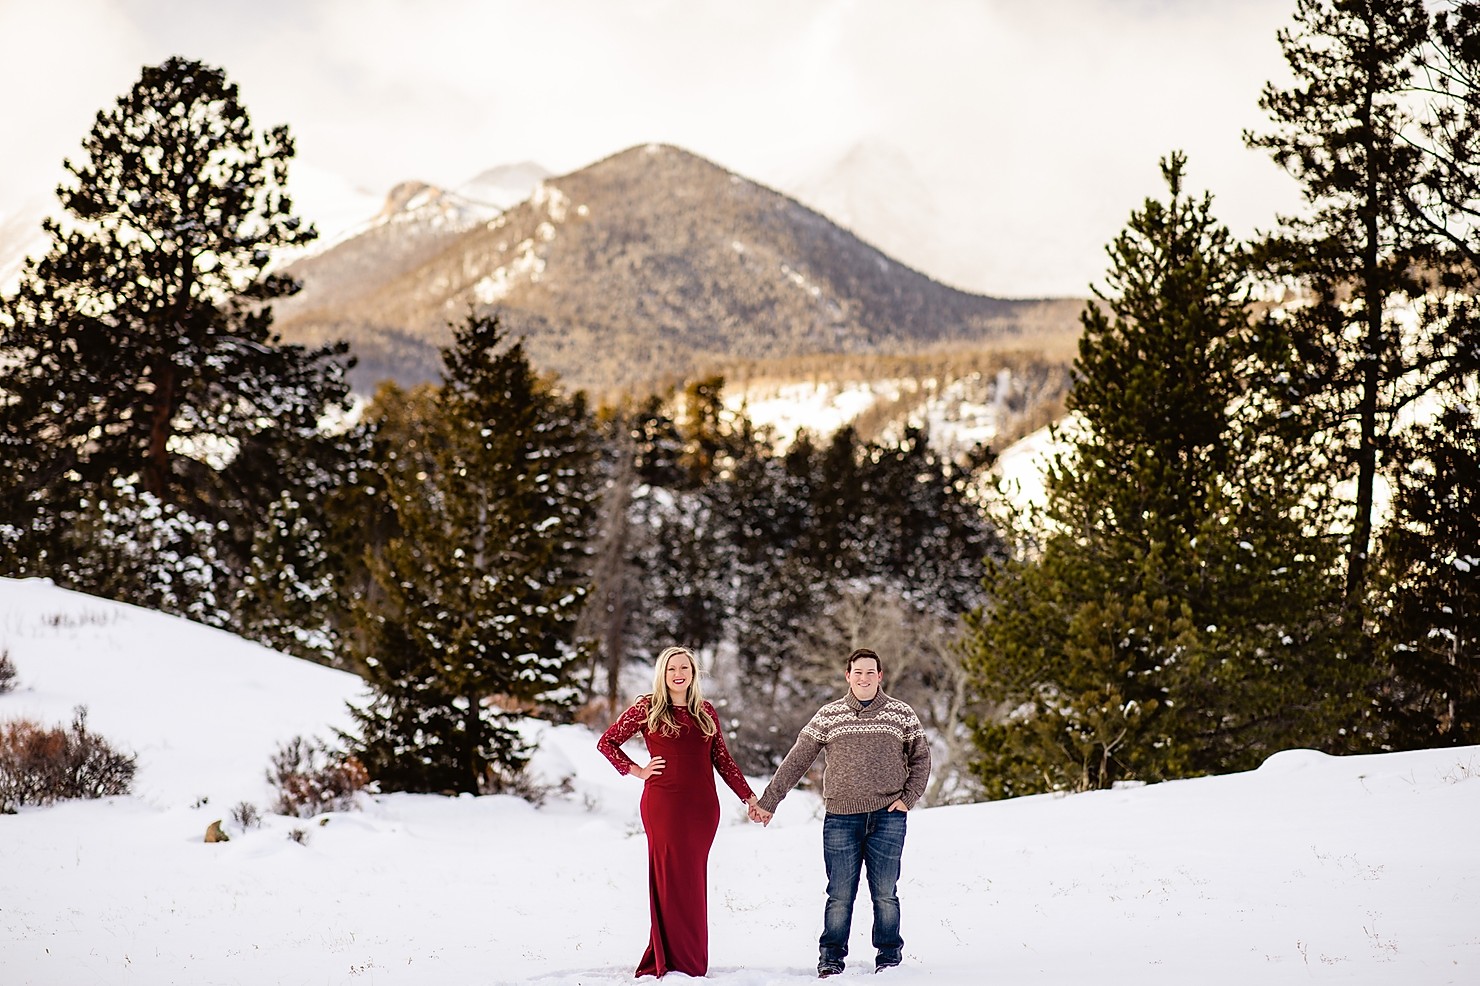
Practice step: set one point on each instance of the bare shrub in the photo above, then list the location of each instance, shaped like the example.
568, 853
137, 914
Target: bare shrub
7, 672
598, 713
70, 621
299, 836
521, 785
246, 815
40, 765
311, 778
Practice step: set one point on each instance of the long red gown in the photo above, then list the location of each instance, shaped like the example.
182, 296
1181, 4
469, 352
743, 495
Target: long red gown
680, 811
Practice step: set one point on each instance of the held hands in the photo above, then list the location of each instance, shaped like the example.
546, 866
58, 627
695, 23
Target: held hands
653, 769
759, 814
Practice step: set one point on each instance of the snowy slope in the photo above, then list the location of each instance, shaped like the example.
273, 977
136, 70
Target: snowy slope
1310, 869
957, 414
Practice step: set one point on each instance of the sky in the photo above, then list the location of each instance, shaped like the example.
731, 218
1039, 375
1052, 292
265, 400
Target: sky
996, 144
1309, 870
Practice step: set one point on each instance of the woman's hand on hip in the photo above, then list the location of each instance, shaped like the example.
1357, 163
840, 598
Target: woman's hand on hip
654, 768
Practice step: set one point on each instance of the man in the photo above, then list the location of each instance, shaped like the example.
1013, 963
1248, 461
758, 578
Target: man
875, 771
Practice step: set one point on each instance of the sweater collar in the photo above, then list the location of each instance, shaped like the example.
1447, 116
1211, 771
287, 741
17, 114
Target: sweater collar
851, 700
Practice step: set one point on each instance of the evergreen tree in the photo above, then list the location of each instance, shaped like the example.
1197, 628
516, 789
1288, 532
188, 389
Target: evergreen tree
394, 432
686, 570
1172, 621
833, 479
657, 444
752, 561
139, 349
1380, 128
287, 599
483, 578
125, 543
917, 526
765, 517
708, 431
1433, 621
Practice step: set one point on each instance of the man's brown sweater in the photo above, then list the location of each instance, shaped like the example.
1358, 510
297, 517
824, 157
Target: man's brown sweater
875, 756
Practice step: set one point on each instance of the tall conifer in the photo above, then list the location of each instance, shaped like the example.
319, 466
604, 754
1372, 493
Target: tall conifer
1170, 621
1432, 624
481, 582
137, 352
1380, 128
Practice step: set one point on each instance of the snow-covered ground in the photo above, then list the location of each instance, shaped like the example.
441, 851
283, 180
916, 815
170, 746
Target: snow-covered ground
957, 414
1311, 869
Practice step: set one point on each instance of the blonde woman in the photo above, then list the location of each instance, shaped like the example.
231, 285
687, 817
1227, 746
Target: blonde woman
680, 807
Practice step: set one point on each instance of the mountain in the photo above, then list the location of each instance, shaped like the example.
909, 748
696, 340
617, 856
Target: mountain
504, 186
328, 200
640, 270
414, 224
874, 190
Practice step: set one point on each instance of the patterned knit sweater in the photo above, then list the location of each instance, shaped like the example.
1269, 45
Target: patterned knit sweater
875, 756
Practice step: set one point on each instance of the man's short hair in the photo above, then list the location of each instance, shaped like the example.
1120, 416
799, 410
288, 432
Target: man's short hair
862, 653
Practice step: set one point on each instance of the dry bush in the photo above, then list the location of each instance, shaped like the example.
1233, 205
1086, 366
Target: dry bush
597, 714
246, 815
512, 704
41, 765
7, 672
311, 778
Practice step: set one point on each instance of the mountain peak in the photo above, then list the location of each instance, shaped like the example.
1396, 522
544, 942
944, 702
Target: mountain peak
640, 270
408, 196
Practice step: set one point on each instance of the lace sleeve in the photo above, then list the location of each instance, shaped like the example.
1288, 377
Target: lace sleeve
620, 732
719, 755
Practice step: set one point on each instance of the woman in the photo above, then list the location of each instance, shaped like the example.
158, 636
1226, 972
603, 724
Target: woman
680, 809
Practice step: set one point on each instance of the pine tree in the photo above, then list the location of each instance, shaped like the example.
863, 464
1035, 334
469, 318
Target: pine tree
139, 347
918, 528
1379, 127
483, 578
1433, 621
687, 568
125, 543
287, 594
754, 560
837, 487
708, 430
1172, 619
657, 444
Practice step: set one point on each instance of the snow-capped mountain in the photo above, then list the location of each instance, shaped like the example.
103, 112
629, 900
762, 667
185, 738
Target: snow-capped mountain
645, 268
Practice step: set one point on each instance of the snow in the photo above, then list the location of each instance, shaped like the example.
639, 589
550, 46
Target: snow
1021, 470
1309, 869
957, 415
820, 408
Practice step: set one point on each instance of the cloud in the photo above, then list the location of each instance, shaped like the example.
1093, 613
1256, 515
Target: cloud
60, 63
1034, 127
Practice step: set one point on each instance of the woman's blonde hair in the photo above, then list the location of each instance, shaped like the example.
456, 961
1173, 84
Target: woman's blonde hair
660, 709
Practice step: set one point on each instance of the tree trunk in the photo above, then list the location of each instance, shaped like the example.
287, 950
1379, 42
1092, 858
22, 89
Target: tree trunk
1370, 373
161, 428
604, 617
473, 735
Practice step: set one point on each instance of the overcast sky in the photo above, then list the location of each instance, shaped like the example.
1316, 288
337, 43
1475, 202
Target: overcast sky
997, 144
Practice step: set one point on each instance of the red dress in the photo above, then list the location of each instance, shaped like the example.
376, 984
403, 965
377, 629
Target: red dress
680, 811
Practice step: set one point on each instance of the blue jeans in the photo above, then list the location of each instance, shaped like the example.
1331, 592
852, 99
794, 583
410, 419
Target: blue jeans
873, 839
